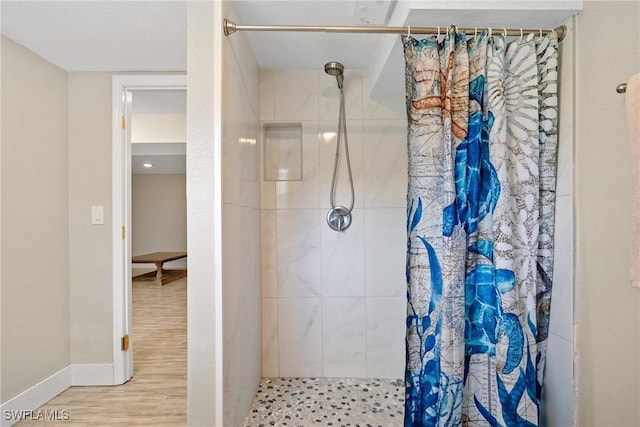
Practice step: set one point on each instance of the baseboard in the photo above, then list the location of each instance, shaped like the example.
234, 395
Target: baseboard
86, 374
34, 397
77, 374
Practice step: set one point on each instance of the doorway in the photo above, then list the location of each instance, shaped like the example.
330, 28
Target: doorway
123, 90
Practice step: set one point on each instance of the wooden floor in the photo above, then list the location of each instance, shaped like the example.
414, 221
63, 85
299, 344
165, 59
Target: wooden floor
157, 393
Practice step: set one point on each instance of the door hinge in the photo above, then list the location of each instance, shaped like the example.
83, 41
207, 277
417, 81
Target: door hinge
122, 122
124, 232
125, 342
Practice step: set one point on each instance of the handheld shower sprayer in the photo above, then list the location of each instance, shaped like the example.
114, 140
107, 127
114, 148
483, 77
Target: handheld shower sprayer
336, 69
339, 217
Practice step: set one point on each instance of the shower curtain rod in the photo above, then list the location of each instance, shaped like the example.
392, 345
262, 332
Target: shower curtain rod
231, 27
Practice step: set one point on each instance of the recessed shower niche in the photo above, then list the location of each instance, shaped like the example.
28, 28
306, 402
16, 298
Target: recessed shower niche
282, 148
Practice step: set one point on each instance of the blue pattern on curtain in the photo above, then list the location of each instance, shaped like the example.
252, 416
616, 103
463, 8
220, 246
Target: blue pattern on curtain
482, 144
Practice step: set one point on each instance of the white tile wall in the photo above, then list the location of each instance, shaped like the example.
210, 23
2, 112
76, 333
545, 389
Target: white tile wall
295, 95
385, 154
561, 321
303, 194
318, 284
557, 405
269, 254
343, 258
267, 92
386, 247
298, 245
241, 228
329, 96
327, 132
386, 326
334, 303
270, 343
300, 337
344, 337
560, 410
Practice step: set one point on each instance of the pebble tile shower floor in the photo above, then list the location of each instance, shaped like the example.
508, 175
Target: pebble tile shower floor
303, 402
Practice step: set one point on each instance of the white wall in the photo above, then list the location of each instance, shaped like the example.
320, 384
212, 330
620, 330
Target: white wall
607, 308
158, 213
35, 239
154, 128
240, 227
334, 303
90, 259
204, 240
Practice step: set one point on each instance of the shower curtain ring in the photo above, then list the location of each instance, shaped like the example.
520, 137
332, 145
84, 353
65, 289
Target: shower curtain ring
540, 32
409, 31
521, 34
505, 32
438, 30
490, 32
476, 33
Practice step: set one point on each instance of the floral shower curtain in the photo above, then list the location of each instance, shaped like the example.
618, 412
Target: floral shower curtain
482, 142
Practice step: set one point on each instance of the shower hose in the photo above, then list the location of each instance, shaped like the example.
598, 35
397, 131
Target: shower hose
343, 211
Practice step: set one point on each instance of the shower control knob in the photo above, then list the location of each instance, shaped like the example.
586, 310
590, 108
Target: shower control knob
339, 218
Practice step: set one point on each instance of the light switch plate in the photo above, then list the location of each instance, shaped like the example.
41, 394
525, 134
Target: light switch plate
97, 215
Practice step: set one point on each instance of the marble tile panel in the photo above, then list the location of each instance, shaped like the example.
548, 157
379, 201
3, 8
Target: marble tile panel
343, 272
267, 95
303, 194
385, 163
327, 140
561, 321
386, 327
270, 355
564, 184
344, 337
241, 181
267, 188
282, 152
241, 303
385, 253
268, 194
382, 108
329, 95
269, 254
566, 117
558, 389
300, 337
238, 50
298, 242
295, 95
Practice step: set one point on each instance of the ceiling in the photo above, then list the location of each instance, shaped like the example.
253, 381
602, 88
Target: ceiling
101, 35
151, 35
169, 101
165, 158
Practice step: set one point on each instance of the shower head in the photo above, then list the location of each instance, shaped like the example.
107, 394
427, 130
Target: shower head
334, 68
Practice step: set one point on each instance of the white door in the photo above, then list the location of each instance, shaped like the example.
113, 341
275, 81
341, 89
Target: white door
122, 88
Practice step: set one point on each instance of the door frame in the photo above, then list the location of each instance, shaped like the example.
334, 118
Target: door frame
122, 85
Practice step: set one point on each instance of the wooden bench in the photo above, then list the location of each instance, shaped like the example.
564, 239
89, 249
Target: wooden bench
160, 276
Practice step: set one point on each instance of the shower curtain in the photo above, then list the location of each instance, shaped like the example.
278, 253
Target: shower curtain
482, 143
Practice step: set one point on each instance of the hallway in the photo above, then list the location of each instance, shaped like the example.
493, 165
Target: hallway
157, 393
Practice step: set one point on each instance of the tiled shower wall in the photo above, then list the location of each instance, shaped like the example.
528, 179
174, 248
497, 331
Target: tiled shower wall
240, 227
334, 303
